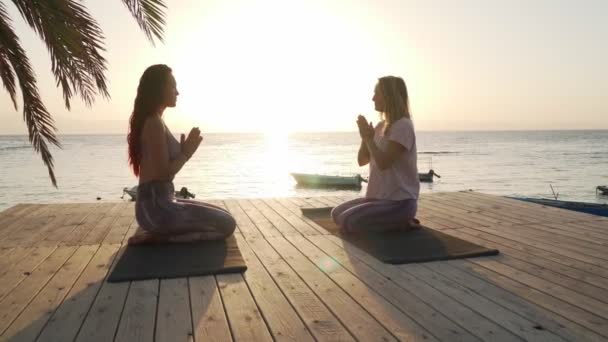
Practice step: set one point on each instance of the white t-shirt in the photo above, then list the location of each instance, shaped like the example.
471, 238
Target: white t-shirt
399, 181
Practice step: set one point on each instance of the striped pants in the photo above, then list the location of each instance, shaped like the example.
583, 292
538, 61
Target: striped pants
366, 214
159, 212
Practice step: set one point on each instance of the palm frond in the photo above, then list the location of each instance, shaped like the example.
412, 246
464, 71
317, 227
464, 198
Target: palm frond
150, 16
74, 41
8, 77
41, 127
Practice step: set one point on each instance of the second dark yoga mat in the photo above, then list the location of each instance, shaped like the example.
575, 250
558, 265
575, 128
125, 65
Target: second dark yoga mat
174, 260
402, 247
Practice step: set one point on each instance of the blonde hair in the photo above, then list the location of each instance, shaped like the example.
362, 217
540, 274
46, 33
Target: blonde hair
396, 100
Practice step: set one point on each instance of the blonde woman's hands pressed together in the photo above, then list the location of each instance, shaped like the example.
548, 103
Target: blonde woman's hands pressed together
366, 129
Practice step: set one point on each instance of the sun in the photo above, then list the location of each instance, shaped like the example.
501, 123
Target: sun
310, 69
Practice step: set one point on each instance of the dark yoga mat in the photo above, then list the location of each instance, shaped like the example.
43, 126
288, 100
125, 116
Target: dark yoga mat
174, 260
402, 247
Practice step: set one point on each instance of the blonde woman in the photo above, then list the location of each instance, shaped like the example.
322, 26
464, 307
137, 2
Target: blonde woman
391, 200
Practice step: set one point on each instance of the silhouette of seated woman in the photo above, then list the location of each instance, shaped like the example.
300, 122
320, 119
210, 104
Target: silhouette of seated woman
156, 157
391, 199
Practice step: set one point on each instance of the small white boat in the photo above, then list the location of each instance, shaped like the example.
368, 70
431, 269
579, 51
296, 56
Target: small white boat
183, 193
324, 181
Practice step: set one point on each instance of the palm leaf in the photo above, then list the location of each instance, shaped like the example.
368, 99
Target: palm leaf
74, 41
150, 16
41, 127
8, 77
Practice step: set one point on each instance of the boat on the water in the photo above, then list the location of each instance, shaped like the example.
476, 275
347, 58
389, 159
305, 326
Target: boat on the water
182, 193
325, 181
344, 182
428, 177
584, 207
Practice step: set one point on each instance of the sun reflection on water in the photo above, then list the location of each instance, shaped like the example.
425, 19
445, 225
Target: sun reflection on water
276, 163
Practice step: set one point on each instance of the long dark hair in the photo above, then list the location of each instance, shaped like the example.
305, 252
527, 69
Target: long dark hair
150, 97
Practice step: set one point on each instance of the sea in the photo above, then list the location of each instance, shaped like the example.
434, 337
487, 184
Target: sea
567, 165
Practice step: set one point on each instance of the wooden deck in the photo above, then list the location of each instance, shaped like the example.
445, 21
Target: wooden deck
550, 282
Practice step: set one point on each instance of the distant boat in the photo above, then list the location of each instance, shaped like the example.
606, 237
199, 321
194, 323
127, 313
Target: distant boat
584, 207
603, 189
354, 182
428, 177
324, 181
183, 193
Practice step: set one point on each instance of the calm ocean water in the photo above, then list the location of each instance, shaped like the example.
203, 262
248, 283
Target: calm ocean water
521, 163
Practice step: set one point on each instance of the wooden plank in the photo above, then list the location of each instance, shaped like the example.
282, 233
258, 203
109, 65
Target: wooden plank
277, 220
575, 232
482, 213
82, 229
55, 235
322, 323
537, 250
12, 257
246, 322
67, 319
173, 320
511, 321
98, 232
208, 316
315, 202
295, 221
402, 326
480, 216
27, 221
574, 244
544, 213
572, 312
540, 261
23, 212
543, 318
261, 222
283, 321
292, 214
34, 317
533, 281
325, 201
22, 268
102, 320
439, 324
11, 306
496, 205
245, 225
8, 216
460, 314
457, 219
139, 315
119, 229
575, 254
530, 210
596, 228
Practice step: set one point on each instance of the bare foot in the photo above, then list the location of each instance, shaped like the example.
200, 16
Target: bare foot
185, 238
414, 224
146, 238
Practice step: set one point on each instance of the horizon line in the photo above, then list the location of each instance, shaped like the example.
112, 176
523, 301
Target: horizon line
320, 132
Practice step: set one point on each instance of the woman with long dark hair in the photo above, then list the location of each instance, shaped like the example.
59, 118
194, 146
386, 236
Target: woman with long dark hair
391, 199
156, 156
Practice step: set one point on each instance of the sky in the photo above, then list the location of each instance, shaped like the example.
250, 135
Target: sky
292, 65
